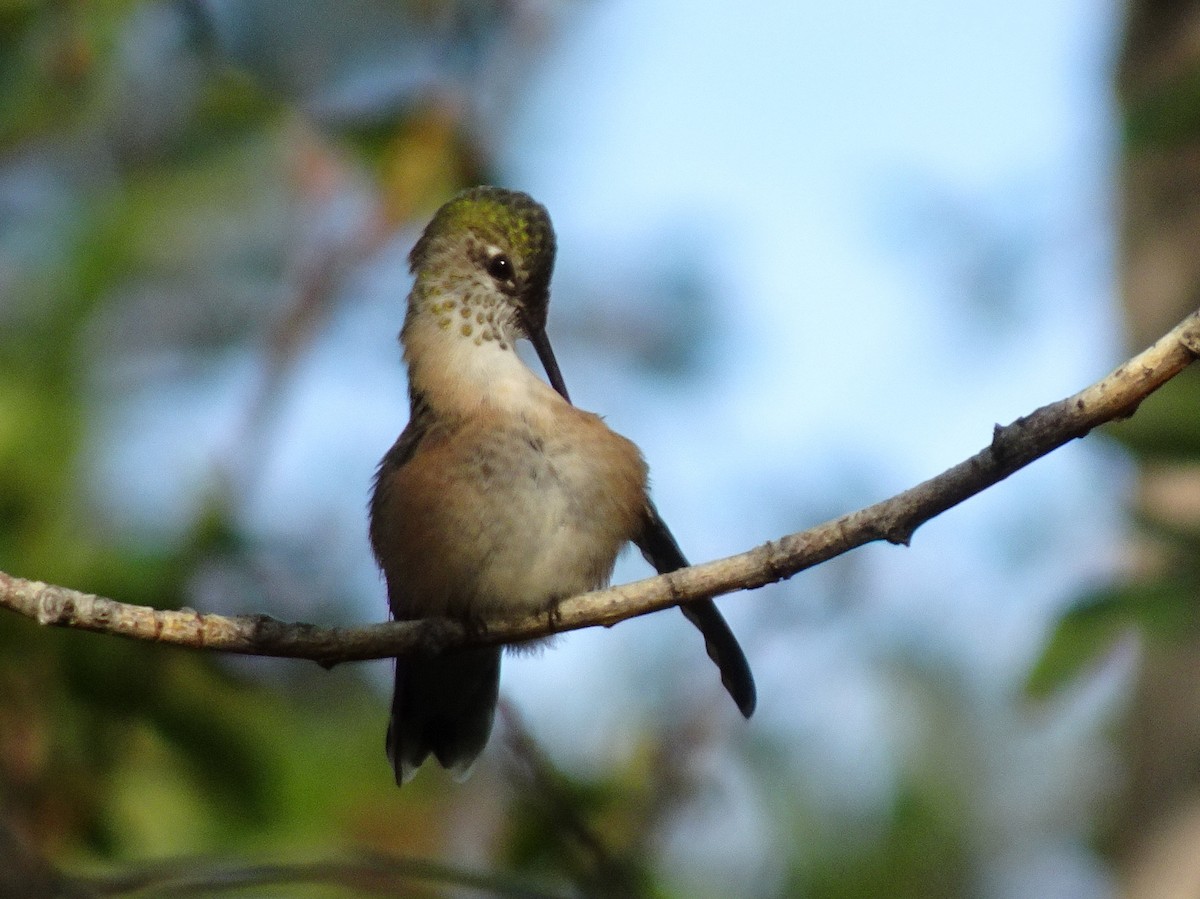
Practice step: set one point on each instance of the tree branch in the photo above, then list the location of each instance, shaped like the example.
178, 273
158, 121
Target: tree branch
368, 873
1012, 447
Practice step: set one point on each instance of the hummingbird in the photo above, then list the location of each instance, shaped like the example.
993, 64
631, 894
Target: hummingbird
500, 497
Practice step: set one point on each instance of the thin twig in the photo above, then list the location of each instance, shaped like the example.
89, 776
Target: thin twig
367, 874
895, 520
595, 865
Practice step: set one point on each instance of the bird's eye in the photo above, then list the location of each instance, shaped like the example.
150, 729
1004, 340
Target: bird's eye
500, 267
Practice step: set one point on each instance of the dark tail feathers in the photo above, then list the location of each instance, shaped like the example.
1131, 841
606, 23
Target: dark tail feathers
445, 706
723, 648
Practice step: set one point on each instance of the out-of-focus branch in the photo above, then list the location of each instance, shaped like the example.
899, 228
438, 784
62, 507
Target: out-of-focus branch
1012, 447
597, 867
373, 874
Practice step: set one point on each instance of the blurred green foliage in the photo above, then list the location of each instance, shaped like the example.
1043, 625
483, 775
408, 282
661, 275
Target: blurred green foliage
922, 856
1162, 607
112, 749
1166, 117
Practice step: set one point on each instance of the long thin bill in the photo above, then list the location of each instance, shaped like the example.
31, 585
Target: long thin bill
541, 343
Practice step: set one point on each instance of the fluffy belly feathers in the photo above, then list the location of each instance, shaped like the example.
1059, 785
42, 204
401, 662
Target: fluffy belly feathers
531, 516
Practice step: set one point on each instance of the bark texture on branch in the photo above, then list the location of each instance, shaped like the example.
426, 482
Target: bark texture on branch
895, 520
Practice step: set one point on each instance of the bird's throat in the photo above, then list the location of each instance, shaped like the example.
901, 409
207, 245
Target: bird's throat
458, 372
